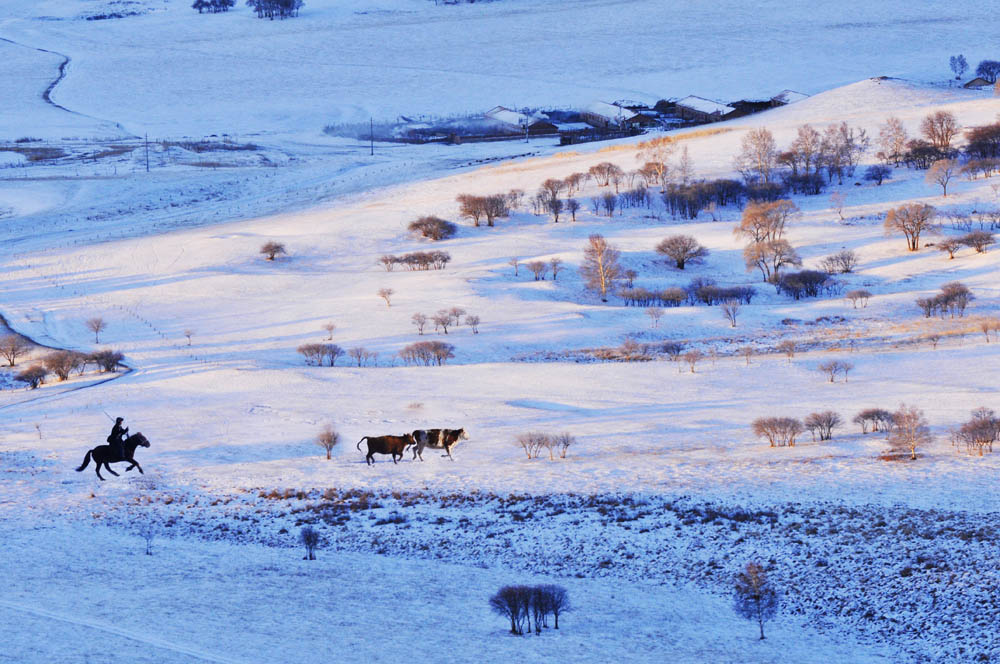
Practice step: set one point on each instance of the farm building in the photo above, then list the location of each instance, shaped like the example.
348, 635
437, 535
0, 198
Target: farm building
700, 109
787, 97
514, 122
603, 115
978, 82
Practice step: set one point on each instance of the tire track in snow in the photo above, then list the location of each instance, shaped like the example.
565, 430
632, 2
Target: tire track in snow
110, 629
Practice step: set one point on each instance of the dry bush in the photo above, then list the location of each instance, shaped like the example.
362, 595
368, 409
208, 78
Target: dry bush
537, 268
106, 360
386, 294
692, 357
978, 240
62, 362
433, 228
747, 352
271, 249
979, 433
327, 439
858, 296
33, 376
532, 443
310, 539
329, 328
787, 347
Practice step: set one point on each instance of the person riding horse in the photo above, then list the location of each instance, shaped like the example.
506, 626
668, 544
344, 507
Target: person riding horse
117, 438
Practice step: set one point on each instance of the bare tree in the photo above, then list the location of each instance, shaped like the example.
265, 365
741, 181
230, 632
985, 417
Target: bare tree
765, 221
949, 245
941, 173
473, 322
441, 320
188, 334
514, 262
271, 249
833, 368
769, 257
361, 355
788, 348
600, 269
731, 309
892, 140
508, 602
682, 249
758, 156
837, 201
911, 219
655, 155
12, 347
316, 354
822, 424
96, 325
754, 596
940, 129
692, 357
386, 294
329, 328
910, 430
420, 321
433, 228
471, 207
310, 539
327, 439
842, 262
572, 206
573, 183
655, 314
555, 264
62, 363
858, 296
779, 431
979, 433
456, 314
538, 268
978, 240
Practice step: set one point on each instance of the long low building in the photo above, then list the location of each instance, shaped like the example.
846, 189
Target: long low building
603, 115
514, 122
700, 109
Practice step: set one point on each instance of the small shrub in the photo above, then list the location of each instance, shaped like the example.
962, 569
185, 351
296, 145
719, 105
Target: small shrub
433, 228
327, 439
33, 376
310, 539
271, 249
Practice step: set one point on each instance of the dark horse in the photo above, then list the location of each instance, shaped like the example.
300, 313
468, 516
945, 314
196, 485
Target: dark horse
104, 455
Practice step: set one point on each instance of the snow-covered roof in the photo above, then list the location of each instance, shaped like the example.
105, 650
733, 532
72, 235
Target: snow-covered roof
572, 126
610, 111
788, 97
509, 117
703, 105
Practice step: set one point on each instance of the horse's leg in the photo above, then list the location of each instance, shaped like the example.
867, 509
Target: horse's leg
136, 464
97, 469
110, 470
369, 460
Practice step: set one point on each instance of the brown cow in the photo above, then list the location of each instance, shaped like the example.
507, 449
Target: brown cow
441, 439
394, 445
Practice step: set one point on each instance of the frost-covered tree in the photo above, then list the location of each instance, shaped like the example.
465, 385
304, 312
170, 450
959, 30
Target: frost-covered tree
600, 269
682, 249
912, 220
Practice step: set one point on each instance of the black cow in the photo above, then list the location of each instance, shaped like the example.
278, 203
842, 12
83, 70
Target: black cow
438, 439
394, 445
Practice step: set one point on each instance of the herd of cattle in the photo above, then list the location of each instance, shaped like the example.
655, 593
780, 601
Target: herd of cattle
440, 439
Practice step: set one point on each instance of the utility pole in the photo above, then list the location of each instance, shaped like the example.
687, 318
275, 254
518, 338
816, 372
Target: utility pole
147, 152
371, 134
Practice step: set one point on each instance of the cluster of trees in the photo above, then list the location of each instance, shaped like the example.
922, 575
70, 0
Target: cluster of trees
905, 429
427, 353
433, 228
417, 260
834, 368
979, 433
272, 9
524, 604
978, 240
835, 152
213, 6
953, 299
805, 283
489, 208
61, 363
444, 319
539, 268
318, 354
534, 442
763, 224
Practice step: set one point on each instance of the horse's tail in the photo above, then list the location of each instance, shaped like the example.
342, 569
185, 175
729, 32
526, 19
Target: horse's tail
86, 461
363, 439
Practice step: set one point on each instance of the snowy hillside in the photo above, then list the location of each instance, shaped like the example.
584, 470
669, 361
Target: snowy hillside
665, 492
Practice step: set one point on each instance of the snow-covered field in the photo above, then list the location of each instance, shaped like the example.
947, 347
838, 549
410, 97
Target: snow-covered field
666, 492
